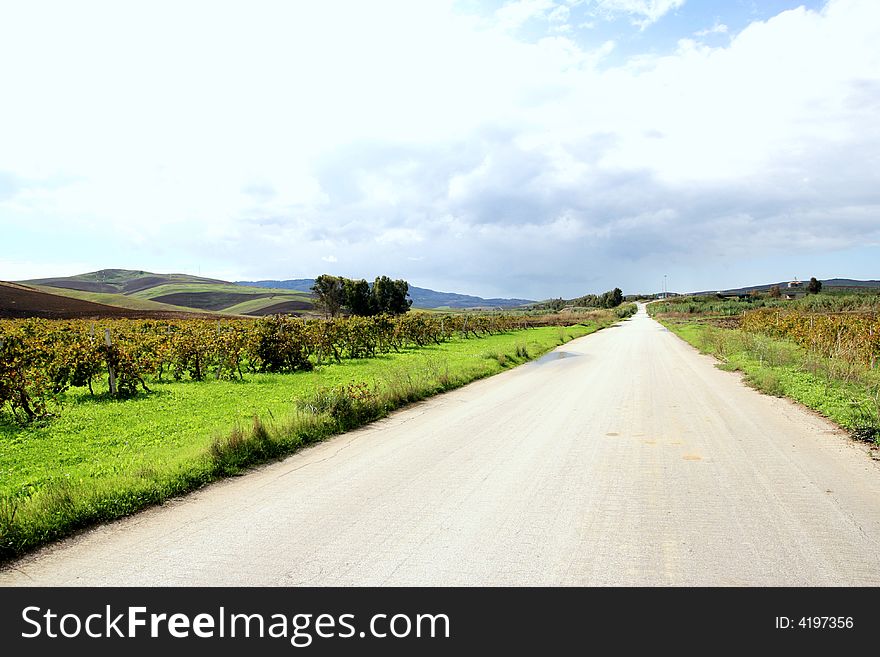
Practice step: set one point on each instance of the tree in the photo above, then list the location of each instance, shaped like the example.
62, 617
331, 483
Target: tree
330, 294
586, 301
814, 286
610, 299
616, 297
357, 297
390, 296
775, 292
399, 302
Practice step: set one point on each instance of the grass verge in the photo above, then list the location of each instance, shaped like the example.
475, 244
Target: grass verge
104, 458
844, 392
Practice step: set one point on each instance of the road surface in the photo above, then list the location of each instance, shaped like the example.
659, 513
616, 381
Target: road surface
622, 458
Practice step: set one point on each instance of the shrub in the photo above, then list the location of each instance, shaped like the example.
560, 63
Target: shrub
348, 406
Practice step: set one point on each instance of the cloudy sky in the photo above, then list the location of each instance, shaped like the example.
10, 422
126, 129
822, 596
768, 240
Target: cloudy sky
531, 148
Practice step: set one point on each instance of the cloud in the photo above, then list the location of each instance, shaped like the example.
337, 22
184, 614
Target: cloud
640, 12
494, 166
717, 28
559, 14
513, 15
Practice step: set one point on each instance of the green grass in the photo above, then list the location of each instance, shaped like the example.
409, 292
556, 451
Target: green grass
102, 458
846, 393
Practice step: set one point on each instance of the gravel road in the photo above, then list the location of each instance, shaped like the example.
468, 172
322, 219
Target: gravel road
621, 458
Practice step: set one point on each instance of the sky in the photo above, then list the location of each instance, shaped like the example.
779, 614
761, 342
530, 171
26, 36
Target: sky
533, 148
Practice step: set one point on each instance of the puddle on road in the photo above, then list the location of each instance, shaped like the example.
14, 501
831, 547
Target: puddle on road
553, 356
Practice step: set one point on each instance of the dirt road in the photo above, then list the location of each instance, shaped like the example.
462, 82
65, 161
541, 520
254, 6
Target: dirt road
623, 458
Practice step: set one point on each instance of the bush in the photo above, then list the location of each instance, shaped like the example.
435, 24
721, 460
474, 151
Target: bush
628, 310
348, 406
280, 344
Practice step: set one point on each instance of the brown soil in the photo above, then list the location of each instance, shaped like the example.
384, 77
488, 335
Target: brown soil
82, 286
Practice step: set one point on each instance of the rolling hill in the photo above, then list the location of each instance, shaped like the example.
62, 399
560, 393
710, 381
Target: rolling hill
117, 281
146, 291
19, 301
422, 297
138, 293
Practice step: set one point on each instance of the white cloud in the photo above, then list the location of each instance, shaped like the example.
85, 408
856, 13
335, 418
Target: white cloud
19, 270
515, 14
717, 28
559, 14
640, 12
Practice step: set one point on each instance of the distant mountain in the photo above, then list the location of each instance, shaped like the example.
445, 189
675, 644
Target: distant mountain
425, 298
829, 284
422, 297
849, 283
298, 284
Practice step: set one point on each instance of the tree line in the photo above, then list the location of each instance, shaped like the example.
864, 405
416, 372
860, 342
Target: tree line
609, 299
336, 295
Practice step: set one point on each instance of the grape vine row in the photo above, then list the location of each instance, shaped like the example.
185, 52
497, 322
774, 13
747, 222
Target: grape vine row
40, 359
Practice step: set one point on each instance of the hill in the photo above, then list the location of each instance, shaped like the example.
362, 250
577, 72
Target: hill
19, 301
828, 285
422, 297
118, 281
129, 292
148, 291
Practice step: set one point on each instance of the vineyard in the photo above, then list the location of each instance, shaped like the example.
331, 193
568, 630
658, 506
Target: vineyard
40, 359
864, 302
853, 337
841, 326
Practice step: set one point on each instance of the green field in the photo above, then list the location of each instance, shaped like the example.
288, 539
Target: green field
221, 297
253, 305
102, 458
